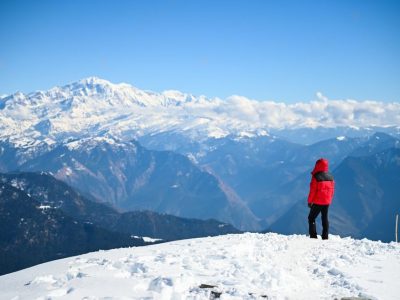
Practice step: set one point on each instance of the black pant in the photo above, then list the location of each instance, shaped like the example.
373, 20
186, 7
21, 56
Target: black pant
314, 212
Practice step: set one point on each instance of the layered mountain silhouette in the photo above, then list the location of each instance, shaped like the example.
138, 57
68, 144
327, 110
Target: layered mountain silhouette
32, 233
366, 198
179, 154
42, 218
267, 173
131, 177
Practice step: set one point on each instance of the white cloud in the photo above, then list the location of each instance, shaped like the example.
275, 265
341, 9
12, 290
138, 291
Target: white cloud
129, 112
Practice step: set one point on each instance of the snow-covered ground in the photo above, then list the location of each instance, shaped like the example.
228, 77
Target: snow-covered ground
243, 266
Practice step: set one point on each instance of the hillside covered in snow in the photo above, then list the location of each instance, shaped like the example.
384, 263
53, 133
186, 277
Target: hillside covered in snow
242, 266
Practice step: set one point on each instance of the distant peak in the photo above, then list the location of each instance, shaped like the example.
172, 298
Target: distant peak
89, 85
173, 93
18, 95
94, 80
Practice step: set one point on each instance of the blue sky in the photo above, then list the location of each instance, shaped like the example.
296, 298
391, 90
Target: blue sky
265, 50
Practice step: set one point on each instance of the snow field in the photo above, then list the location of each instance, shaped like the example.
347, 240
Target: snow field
241, 266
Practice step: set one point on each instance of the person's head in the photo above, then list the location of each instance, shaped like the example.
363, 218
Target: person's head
321, 165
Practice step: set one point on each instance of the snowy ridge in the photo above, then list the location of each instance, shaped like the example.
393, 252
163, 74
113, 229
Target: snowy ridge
96, 107
246, 266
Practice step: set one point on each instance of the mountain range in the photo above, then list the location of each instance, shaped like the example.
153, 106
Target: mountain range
96, 107
42, 218
237, 160
131, 177
366, 201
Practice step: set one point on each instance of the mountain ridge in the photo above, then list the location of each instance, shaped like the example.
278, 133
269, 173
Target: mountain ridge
365, 201
200, 155
43, 219
131, 177
96, 107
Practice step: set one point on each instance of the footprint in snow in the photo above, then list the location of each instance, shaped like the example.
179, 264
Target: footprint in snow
60, 292
160, 283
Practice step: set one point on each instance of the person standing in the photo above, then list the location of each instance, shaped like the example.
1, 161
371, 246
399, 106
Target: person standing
322, 188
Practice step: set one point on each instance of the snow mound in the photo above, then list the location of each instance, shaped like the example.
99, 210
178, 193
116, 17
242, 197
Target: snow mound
242, 266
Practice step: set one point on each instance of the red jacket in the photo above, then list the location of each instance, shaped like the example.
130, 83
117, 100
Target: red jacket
322, 185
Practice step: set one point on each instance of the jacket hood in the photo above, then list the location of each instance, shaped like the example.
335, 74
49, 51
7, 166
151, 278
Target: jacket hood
321, 165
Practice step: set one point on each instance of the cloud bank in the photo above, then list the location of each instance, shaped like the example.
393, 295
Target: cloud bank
94, 106
323, 112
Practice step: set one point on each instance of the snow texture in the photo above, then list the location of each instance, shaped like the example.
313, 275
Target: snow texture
244, 266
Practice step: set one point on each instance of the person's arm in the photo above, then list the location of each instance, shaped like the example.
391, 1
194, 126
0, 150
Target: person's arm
313, 189
333, 189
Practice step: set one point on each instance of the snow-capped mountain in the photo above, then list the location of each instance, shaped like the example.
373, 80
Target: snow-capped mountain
96, 107
236, 169
246, 266
93, 107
